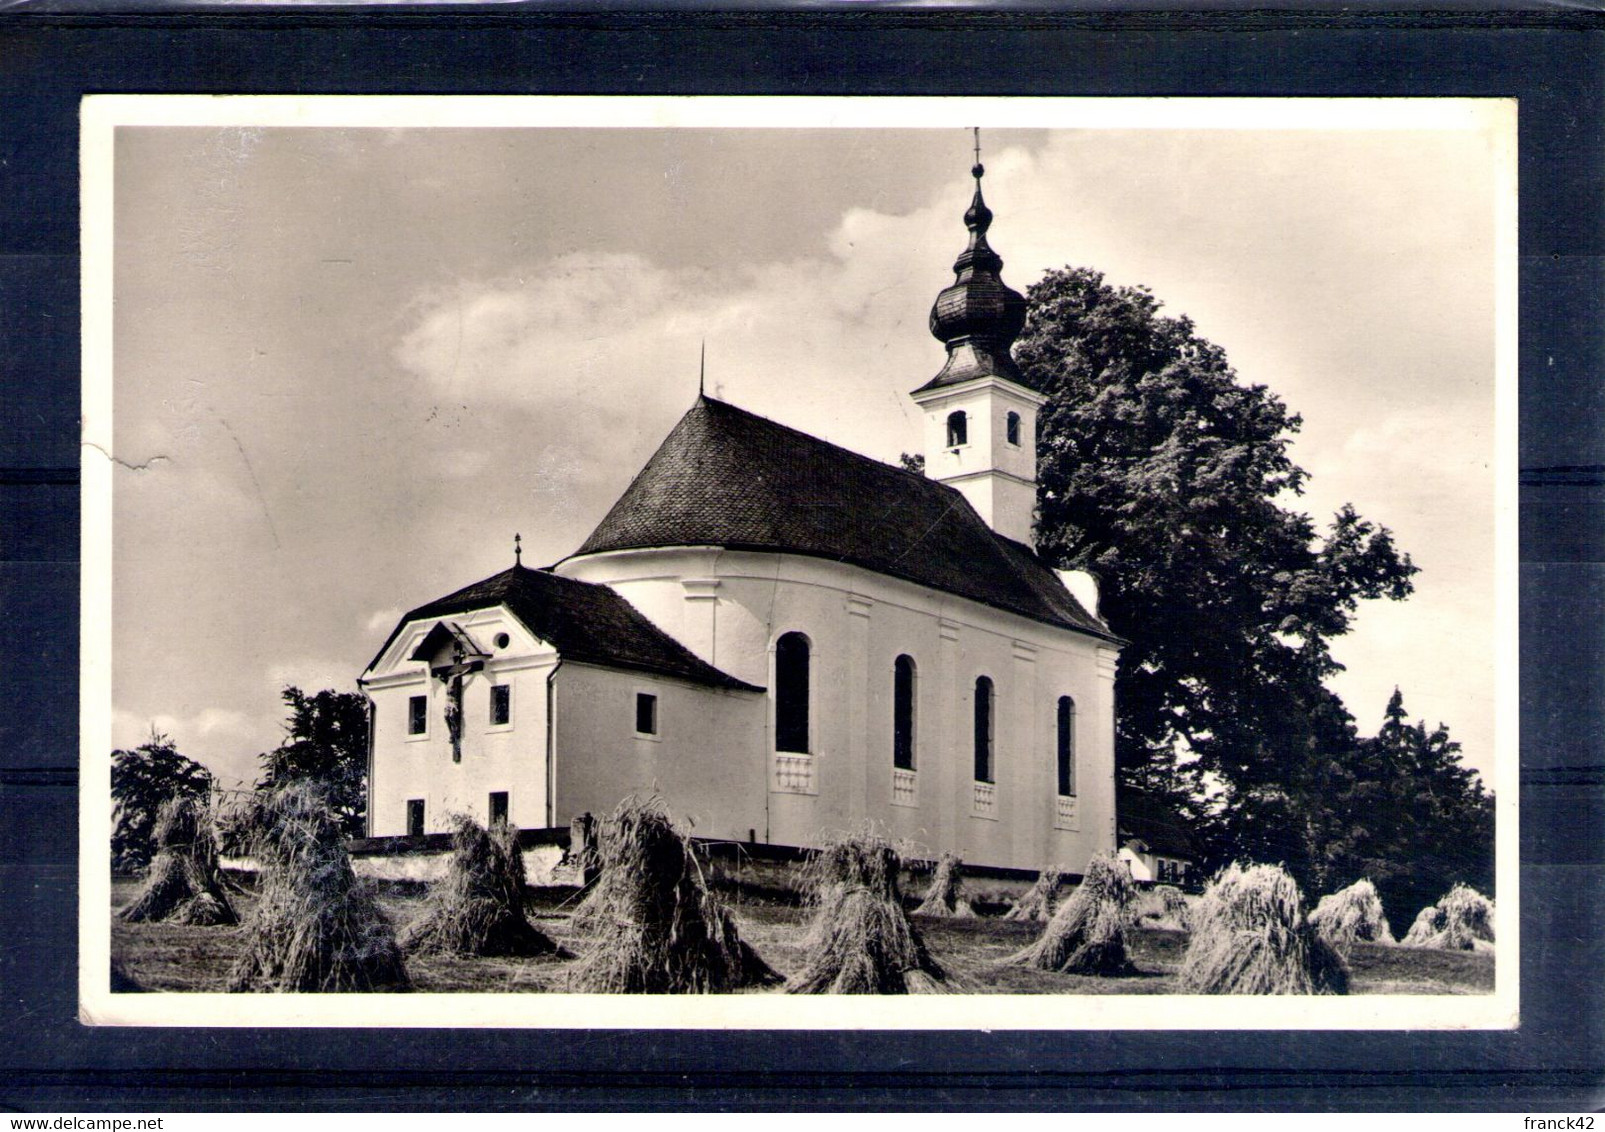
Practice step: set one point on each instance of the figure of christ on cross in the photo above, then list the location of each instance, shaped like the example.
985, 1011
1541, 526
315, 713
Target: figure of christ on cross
452, 676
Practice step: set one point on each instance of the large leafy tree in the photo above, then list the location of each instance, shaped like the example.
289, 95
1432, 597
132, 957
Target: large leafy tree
141, 780
325, 742
1170, 480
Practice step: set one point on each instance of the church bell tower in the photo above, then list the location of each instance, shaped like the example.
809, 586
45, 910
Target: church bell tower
980, 414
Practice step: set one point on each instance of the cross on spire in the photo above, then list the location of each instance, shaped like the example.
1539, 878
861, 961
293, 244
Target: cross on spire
978, 169
702, 369
518, 549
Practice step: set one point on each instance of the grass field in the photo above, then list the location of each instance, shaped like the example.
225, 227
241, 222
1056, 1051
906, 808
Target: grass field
162, 957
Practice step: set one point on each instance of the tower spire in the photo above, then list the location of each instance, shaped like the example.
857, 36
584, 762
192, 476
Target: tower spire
980, 413
979, 316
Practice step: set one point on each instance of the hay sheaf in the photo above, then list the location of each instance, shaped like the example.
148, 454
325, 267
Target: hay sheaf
316, 927
945, 897
1250, 936
657, 927
1038, 902
183, 885
478, 907
1462, 921
1087, 935
1164, 907
1352, 914
861, 941
581, 854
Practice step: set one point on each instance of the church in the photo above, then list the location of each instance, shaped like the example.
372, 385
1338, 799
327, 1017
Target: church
784, 639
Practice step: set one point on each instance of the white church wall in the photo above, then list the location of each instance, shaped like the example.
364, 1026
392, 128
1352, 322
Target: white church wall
1008, 506
680, 590
858, 622
508, 758
706, 760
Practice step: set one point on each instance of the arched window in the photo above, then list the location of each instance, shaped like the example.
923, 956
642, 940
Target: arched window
983, 729
1011, 426
791, 694
903, 680
958, 429
1067, 746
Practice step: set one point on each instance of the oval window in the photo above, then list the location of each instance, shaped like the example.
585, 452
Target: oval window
503, 640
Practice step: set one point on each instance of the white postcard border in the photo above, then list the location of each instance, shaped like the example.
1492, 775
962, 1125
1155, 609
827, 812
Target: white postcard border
101, 115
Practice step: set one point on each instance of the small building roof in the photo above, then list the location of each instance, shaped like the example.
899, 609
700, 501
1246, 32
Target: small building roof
587, 623
727, 477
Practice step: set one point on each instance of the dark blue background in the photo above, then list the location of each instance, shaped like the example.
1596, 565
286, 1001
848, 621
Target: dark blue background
1549, 60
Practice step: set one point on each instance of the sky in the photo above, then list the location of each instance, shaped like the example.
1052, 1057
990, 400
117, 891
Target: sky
349, 364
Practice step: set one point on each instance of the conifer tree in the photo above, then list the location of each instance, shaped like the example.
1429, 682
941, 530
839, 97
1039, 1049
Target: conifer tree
141, 780
1423, 821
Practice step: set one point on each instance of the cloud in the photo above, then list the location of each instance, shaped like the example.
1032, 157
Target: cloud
314, 674
384, 620
826, 343
1427, 475
226, 742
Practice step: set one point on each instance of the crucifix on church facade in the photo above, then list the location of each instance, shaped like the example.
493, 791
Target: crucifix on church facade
467, 658
452, 675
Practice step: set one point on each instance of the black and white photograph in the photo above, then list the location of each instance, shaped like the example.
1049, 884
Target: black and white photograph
799, 563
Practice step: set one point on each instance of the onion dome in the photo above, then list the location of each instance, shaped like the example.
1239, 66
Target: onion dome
979, 316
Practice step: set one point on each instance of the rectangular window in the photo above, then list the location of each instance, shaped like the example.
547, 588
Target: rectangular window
501, 704
415, 817
417, 715
646, 713
498, 807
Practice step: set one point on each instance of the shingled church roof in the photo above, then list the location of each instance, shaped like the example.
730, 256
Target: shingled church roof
584, 622
726, 477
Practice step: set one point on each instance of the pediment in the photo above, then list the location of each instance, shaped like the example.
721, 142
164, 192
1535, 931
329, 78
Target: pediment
447, 645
